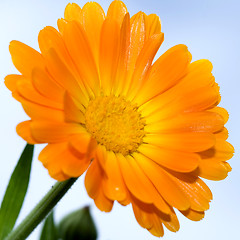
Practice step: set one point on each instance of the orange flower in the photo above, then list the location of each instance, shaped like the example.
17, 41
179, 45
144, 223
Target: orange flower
144, 132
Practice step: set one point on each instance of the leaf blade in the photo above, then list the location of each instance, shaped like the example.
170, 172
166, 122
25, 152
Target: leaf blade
15, 192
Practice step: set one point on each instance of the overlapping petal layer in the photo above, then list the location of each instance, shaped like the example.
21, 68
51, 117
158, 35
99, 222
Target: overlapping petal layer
146, 133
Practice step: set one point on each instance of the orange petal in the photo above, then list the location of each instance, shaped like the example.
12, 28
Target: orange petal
202, 65
165, 73
200, 71
101, 155
222, 134
49, 38
135, 180
143, 217
56, 173
24, 131
175, 160
84, 144
53, 132
187, 141
60, 72
139, 184
126, 201
157, 228
146, 215
197, 191
12, 80
72, 12
193, 215
137, 40
121, 73
38, 112
78, 46
157, 199
102, 202
61, 25
117, 11
173, 103
213, 170
221, 111
221, 151
201, 99
50, 151
59, 159
109, 49
48, 157
172, 223
72, 111
143, 64
114, 187
169, 190
92, 20
29, 93
190, 122
60, 176
191, 80
25, 58
93, 183
93, 179
71, 164
150, 218
153, 25
46, 86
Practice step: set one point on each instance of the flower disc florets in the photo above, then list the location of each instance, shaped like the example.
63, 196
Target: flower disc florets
115, 123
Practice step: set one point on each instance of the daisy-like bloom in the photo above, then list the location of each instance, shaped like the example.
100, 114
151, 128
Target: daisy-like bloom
145, 133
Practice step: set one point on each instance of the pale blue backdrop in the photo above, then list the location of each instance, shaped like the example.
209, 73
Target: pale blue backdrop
211, 29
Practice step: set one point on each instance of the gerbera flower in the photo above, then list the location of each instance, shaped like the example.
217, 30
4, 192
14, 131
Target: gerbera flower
146, 133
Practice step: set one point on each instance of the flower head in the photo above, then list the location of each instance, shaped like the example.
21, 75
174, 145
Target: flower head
146, 133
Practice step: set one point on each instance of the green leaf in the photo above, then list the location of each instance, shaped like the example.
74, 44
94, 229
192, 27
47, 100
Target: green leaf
78, 225
49, 231
15, 193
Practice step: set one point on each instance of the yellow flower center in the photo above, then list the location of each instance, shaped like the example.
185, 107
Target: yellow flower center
115, 123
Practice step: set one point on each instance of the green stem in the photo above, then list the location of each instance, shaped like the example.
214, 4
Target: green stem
41, 210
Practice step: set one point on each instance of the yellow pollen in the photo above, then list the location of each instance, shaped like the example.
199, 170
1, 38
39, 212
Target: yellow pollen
115, 123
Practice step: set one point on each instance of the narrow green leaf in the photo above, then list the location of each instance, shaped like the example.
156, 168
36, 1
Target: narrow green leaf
15, 193
49, 231
78, 225
41, 210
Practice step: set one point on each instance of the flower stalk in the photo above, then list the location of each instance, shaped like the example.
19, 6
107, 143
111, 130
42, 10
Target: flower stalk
41, 210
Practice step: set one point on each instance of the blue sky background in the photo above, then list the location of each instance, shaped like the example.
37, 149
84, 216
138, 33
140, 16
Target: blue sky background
211, 29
